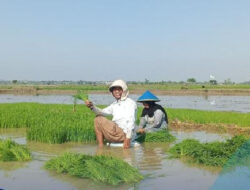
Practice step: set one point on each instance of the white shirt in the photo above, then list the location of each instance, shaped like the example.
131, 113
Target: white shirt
124, 114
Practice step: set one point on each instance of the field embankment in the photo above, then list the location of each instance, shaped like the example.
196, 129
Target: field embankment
159, 89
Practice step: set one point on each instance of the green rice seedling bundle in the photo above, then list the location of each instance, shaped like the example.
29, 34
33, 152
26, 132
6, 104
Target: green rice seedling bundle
160, 136
81, 96
213, 154
105, 169
11, 151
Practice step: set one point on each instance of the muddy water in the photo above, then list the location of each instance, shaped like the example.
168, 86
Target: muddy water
150, 158
218, 103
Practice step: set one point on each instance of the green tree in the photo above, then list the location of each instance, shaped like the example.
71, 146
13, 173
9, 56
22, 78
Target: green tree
214, 82
14, 81
191, 80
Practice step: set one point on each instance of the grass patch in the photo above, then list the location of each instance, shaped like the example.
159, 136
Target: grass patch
105, 169
11, 151
160, 136
212, 154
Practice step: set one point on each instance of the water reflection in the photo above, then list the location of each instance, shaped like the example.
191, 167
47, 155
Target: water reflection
201, 136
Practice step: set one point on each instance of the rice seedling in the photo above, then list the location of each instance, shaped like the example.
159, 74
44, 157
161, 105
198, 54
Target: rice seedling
210, 117
11, 151
160, 136
212, 154
102, 168
49, 123
57, 123
81, 96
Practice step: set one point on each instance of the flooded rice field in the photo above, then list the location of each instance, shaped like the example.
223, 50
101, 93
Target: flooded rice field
151, 159
215, 103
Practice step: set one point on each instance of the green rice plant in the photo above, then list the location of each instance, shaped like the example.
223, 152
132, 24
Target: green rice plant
79, 96
102, 168
212, 154
209, 117
11, 151
52, 123
160, 136
56, 123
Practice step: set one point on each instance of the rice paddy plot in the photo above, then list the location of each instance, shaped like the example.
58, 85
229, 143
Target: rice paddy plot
210, 117
48, 122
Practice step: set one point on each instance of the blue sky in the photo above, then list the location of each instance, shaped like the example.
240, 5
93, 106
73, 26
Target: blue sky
128, 39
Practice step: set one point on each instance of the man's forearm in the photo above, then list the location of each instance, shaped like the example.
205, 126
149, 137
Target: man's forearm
98, 111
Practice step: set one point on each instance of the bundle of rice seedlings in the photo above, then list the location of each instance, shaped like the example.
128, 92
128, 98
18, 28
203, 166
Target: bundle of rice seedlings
213, 154
105, 169
81, 96
160, 136
11, 151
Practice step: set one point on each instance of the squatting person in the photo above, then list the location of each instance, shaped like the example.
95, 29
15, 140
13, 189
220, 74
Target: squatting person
123, 110
154, 117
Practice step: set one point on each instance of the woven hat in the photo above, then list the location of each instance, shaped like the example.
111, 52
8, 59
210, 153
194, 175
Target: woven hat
148, 97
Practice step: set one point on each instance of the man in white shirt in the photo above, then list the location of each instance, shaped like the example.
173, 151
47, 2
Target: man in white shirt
123, 110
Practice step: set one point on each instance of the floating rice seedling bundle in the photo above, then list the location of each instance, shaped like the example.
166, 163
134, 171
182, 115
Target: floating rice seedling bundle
11, 151
105, 169
213, 154
161, 136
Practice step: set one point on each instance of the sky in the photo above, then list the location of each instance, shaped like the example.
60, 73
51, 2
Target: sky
134, 40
